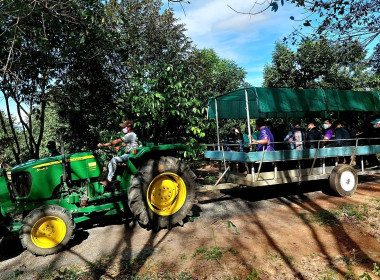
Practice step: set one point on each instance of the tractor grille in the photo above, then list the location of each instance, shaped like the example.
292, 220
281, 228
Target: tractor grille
21, 181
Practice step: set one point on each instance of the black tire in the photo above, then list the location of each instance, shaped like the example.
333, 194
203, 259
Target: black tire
343, 180
137, 193
2, 228
42, 225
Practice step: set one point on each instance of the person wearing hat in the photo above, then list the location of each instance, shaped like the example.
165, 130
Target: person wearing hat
376, 132
372, 133
313, 134
376, 123
130, 140
52, 148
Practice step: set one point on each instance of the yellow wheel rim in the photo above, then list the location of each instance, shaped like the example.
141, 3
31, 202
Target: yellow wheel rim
48, 232
166, 194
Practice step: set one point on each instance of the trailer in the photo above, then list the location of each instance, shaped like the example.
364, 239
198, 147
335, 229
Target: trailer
292, 166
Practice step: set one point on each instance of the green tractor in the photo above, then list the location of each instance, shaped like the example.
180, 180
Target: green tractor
47, 197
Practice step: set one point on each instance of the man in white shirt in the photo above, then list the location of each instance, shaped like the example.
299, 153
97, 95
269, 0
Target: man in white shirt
130, 140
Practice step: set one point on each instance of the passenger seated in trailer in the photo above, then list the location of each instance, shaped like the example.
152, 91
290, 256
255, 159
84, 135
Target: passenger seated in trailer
365, 133
278, 131
234, 141
329, 133
266, 139
342, 139
313, 134
296, 136
374, 132
342, 136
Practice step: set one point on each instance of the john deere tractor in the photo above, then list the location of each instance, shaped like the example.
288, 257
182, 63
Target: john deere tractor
46, 198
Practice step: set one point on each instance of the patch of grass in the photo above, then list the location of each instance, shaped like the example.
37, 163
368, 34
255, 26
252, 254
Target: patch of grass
349, 274
325, 217
99, 267
231, 224
184, 276
360, 212
376, 269
254, 275
162, 275
289, 259
64, 273
213, 253
232, 251
328, 275
331, 217
192, 219
209, 180
183, 257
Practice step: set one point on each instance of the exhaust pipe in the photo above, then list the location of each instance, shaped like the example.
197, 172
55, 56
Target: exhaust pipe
64, 167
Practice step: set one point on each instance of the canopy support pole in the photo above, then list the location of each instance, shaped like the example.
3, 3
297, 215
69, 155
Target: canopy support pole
260, 165
217, 133
354, 152
248, 120
315, 158
220, 178
217, 123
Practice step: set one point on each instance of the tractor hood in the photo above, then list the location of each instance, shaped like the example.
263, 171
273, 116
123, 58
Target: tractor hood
37, 179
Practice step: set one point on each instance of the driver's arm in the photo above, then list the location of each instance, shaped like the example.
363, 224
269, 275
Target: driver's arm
112, 143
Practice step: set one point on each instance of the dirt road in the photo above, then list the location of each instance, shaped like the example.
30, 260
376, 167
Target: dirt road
279, 232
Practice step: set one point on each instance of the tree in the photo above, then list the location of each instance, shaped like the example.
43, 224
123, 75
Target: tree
93, 64
29, 57
321, 64
166, 81
337, 19
375, 60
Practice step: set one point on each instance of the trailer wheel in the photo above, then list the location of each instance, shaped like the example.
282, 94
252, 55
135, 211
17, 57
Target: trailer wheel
343, 180
162, 193
47, 230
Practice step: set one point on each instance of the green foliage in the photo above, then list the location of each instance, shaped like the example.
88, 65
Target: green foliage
254, 275
330, 217
213, 253
82, 67
376, 269
320, 64
325, 217
375, 60
231, 224
341, 20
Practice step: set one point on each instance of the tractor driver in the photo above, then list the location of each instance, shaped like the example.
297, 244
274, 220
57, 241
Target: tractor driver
130, 140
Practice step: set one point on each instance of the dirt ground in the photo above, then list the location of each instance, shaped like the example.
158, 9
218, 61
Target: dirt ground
280, 232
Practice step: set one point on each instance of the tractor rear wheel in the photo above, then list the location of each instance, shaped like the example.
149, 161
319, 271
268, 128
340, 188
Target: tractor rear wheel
162, 193
47, 230
343, 180
2, 227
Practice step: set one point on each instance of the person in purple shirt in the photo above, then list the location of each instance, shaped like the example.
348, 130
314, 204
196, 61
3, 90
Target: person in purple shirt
266, 139
329, 132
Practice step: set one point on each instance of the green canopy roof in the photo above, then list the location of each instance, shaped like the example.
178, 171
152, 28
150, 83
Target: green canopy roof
285, 102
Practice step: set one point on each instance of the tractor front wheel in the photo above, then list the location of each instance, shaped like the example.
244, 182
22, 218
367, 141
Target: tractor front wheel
162, 193
47, 230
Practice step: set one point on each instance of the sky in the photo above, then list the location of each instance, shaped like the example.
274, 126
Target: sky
247, 40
